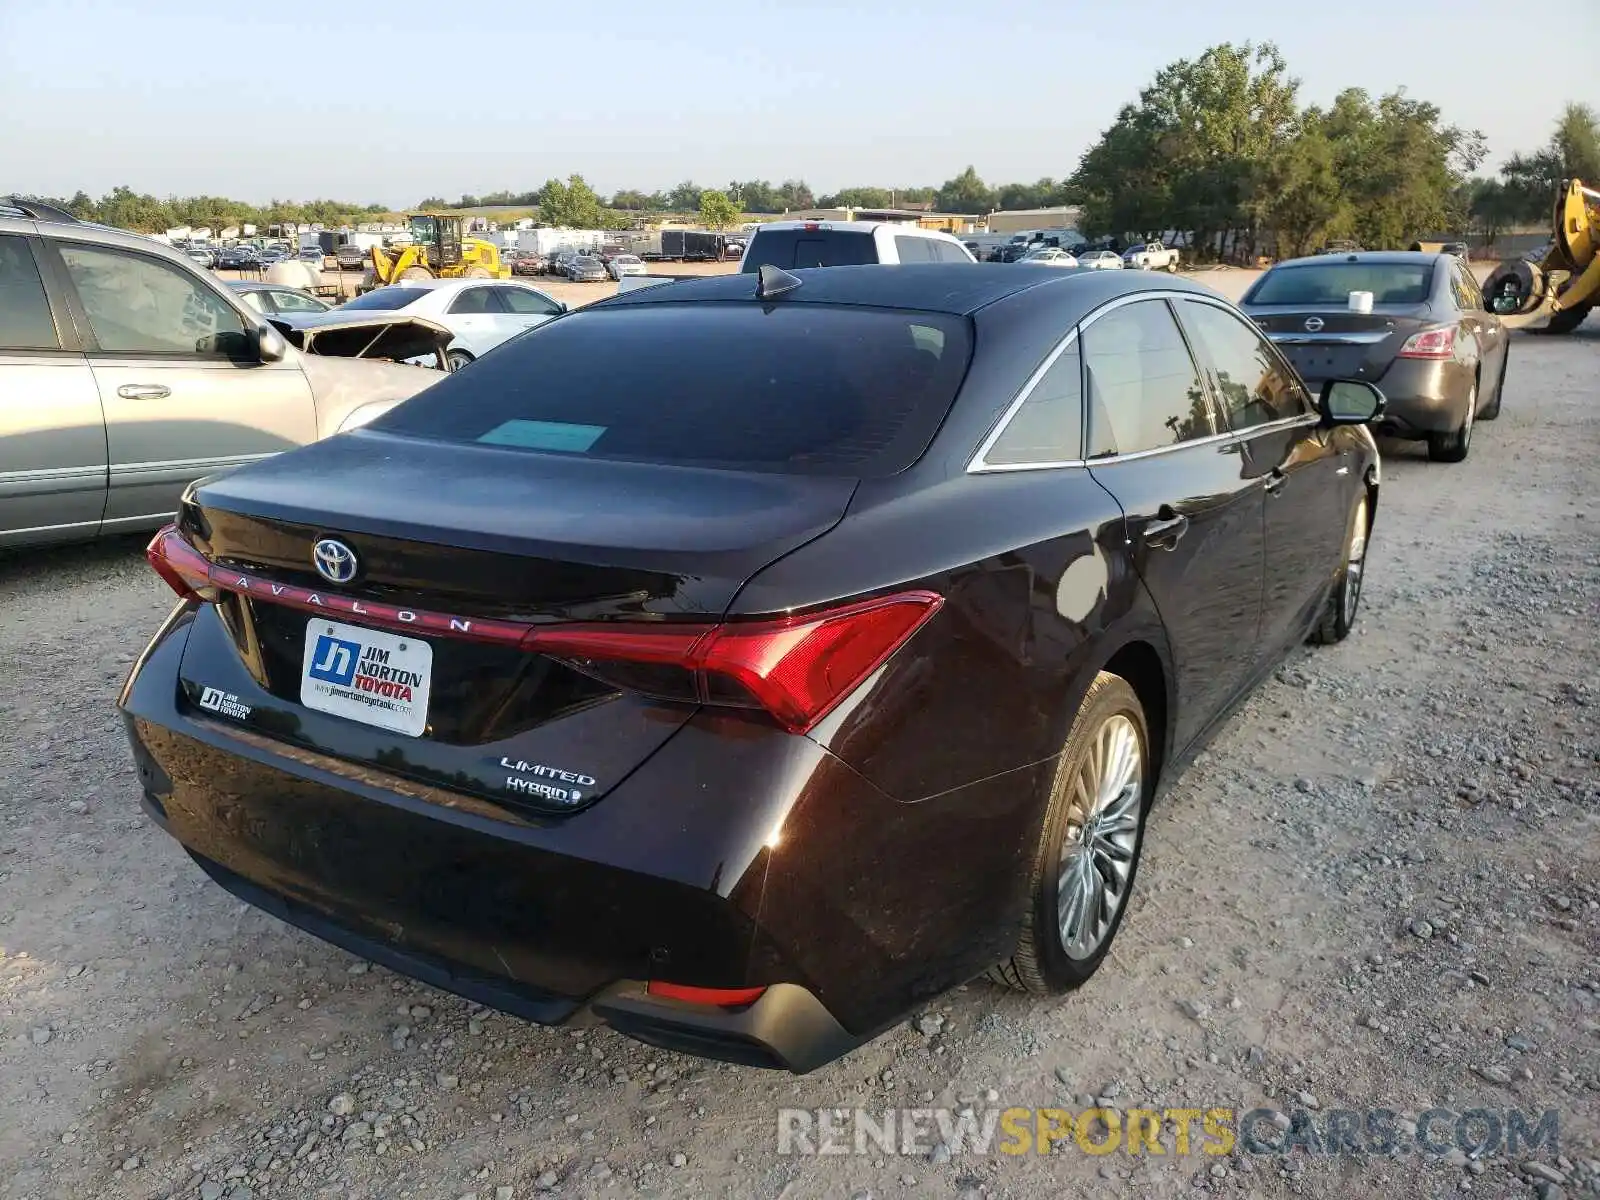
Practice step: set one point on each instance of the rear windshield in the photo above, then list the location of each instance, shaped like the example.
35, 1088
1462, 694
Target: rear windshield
1332, 283
385, 299
791, 388
791, 248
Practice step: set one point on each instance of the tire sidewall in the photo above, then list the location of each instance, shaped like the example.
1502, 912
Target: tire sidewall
1108, 696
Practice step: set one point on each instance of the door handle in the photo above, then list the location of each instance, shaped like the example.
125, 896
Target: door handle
1163, 534
144, 391
1275, 482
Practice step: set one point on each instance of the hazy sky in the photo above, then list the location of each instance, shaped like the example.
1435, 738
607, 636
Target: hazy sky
177, 97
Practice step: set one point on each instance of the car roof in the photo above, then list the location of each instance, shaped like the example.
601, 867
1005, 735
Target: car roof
452, 285
957, 288
1366, 256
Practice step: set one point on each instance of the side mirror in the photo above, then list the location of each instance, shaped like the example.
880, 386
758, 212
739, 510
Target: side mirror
270, 346
561, 306
1350, 402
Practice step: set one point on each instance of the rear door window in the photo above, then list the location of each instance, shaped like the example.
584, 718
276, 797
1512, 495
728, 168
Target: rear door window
794, 248
25, 320
1144, 389
1048, 428
794, 388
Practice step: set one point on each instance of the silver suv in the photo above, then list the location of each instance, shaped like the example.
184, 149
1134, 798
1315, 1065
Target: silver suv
126, 373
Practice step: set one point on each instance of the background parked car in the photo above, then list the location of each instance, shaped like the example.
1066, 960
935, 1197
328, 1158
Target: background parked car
1100, 260
1429, 341
200, 256
791, 244
350, 257
1150, 256
626, 264
270, 299
586, 268
480, 313
1049, 256
237, 258
168, 377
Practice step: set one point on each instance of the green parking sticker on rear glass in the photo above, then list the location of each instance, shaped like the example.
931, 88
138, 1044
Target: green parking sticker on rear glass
544, 435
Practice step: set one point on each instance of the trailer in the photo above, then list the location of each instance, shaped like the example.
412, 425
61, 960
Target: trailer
691, 245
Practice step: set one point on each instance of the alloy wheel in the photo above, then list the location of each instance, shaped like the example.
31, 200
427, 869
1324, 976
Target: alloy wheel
1101, 838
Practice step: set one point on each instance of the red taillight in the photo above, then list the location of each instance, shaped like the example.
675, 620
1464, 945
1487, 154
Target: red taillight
721, 997
796, 668
1431, 343
185, 569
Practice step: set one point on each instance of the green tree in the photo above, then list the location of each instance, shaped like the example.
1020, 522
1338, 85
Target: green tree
754, 195
795, 193
1577, 142
632, 201
716, 210
432, 203
966, 193
685, 197
583, 205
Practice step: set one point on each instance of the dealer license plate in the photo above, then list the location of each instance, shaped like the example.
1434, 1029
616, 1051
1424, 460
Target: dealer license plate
376, 678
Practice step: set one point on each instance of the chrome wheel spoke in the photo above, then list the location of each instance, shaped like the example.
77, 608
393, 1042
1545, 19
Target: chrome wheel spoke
1106, 808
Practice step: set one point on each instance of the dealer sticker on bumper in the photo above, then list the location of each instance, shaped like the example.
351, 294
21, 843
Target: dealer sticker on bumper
376, 678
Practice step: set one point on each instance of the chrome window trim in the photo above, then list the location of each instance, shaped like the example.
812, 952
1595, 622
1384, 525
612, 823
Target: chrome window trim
979, 465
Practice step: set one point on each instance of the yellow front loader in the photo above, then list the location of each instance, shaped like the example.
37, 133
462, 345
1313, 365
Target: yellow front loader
1556, 293
437, 251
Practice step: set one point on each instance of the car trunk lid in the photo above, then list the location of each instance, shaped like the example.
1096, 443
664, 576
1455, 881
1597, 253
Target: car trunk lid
462, 549
1338, 343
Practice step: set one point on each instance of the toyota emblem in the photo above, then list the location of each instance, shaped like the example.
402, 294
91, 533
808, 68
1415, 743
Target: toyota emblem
334, 561
1313, 324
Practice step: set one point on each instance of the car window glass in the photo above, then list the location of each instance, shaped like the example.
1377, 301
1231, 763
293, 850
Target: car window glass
912, 249
25, 321
295, 302
1465, 288
1144, 391
137, 305
945, 252
528, 303
1250, 381
255, 300
1049, 425
474, 301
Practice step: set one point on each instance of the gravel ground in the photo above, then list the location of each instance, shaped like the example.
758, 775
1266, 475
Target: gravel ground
1379, 888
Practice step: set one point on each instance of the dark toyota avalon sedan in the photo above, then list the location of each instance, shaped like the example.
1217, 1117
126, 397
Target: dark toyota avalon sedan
1428, 339
822, 652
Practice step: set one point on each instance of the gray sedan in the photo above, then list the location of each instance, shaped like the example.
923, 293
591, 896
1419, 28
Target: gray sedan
1414, 324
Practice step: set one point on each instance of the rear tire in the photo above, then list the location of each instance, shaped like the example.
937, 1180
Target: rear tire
416, 273
1567, 319
478, 273
1453, 447
1087, 855
1339, 617
456, 359
1492, 409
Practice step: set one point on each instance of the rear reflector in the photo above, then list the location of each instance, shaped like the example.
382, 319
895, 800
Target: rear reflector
1431, 343
721, 997
795, 668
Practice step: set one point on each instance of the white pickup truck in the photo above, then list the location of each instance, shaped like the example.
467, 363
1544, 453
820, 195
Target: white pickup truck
1150, 256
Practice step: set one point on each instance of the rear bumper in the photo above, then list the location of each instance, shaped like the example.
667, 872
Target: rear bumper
1423, 396
678, 874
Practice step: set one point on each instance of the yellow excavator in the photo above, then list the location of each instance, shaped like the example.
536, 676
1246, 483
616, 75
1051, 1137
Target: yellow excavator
437, 251
1555, 293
